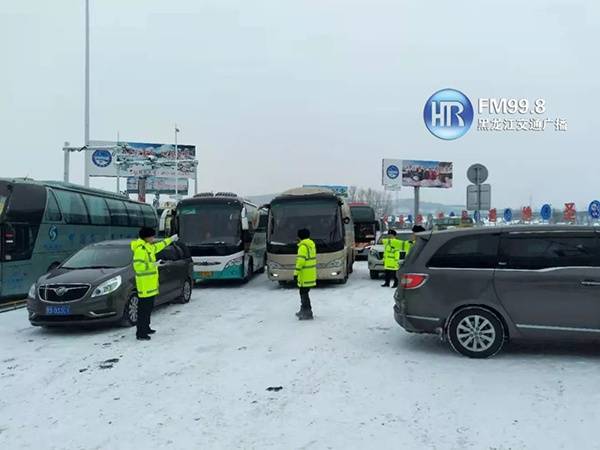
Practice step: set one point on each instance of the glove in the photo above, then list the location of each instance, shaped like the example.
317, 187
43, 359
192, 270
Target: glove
174, 238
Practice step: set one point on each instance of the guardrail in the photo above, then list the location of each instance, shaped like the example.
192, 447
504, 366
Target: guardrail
12, 305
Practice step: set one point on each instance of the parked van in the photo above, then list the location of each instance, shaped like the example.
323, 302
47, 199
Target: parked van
481, 287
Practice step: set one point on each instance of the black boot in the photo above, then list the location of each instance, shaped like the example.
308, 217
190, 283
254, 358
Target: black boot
144, 337
305, 314
395, 285
151, 331
386, 284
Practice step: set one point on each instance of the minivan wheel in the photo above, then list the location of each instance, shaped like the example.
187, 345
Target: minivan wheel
476, 332
186, 291
130, 312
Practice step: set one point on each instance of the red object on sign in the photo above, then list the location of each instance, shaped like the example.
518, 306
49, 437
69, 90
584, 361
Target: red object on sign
527, 213
464, 214
493, 215
570, 213
441, 215
401, 220
419, 219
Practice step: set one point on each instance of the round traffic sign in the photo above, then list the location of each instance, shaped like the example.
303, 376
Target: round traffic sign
508, 215
546, 211
594, 209
477, 173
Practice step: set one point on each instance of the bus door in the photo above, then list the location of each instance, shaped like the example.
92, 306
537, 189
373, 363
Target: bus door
18, 240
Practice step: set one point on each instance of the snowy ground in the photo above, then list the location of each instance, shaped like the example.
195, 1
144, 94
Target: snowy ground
351, 379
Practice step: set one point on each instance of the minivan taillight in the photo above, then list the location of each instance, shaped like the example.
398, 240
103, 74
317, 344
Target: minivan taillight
413, 280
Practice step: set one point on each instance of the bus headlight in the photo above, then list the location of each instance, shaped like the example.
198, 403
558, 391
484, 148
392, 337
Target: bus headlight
234, 262
108, 286
32, 290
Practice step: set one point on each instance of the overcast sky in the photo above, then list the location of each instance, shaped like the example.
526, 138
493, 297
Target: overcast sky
279, 93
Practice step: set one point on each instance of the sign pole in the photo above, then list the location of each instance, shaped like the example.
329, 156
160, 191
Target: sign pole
86, 131
66, 163
416, 203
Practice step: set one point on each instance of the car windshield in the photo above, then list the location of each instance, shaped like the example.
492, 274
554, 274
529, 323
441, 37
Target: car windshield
321, 217
211, 223
100, 256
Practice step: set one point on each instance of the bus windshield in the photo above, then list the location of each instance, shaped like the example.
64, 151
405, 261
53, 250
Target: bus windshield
321, 217
210, 224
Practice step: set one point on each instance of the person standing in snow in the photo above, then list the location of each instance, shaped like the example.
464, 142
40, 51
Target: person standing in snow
306, 272
145, 267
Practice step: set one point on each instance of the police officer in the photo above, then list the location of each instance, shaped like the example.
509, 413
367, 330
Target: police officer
391, 258
145, 267
306, 272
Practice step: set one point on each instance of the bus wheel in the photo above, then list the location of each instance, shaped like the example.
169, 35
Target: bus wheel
250, 271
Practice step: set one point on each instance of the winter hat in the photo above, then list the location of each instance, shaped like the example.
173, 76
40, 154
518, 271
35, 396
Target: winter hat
303, 233
147, 232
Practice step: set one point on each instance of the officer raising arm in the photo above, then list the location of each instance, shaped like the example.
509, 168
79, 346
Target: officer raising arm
145, 267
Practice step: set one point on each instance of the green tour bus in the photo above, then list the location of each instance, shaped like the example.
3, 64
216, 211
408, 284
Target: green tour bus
44, 222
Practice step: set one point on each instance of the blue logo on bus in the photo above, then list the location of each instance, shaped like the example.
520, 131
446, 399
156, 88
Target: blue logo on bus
53, 233
448, 114
392, 172
102, 158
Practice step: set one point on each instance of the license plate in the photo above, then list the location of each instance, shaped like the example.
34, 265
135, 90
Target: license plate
62, 310
206, 274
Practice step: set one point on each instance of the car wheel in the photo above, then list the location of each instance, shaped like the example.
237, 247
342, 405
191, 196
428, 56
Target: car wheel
186, 291
476, 332
374, 274
130, 313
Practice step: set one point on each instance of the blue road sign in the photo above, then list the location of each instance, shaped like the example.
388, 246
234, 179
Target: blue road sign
546, 211
508, 215
594, 209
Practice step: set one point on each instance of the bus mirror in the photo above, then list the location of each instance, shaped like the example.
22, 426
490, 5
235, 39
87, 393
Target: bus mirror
347, 220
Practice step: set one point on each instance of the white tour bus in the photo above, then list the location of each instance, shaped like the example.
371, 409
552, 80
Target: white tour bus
221, 232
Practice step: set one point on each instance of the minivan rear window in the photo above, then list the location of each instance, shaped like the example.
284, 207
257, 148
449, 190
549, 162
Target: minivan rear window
548, 251
475, 251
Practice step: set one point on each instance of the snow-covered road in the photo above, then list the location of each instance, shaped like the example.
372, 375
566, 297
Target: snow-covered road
350, 379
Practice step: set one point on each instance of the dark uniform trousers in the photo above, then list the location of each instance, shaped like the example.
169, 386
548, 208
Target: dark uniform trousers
304, 298
145, 306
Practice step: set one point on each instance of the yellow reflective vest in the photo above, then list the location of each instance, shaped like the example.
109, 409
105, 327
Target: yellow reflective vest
306, 264
391, 253
144, 266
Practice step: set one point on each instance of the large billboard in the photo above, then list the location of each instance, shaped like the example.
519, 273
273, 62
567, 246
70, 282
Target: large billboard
437, 174
101, 162
390, 174
158, 185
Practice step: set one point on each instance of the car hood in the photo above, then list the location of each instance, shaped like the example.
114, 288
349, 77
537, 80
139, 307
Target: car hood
89, 276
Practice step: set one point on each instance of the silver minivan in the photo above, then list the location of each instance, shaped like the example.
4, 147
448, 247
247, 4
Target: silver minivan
480, 288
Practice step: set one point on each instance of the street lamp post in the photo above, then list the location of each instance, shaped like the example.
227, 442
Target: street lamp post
86, 126
176, 165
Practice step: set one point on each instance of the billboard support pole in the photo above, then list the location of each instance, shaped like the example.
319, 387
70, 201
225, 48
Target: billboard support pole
416, 204
67, 163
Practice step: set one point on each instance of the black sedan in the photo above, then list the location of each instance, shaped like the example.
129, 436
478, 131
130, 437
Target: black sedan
97, 285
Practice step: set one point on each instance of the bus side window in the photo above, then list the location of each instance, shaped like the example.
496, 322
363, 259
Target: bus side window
72, 207
118, 213
99, 214
136, 219
52, 210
